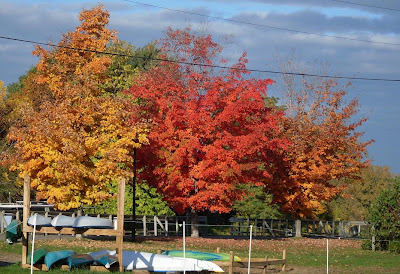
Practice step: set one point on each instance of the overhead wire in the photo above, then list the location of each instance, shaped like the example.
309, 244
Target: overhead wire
264, 26
201, 64
365, 5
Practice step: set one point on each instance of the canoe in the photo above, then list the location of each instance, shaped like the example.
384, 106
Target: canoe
57, 257
39, 219
134, 260
92, 222
38, 256
13, 232
206, 256
78, 260
105, 258
63, 221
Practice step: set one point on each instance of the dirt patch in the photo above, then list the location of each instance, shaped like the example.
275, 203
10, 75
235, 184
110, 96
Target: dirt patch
8, 258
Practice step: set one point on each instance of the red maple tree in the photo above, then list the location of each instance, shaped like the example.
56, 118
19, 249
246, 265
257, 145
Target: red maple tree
211, 128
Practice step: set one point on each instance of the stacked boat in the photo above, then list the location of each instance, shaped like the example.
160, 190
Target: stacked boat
81, 222
131, 260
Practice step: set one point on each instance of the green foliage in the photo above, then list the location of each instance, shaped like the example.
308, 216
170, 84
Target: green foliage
394, 246
257, 204
123, 70
355, 200
148, 201
384, 214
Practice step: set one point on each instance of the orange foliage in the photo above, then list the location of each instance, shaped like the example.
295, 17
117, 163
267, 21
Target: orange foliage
78, 140
325, 146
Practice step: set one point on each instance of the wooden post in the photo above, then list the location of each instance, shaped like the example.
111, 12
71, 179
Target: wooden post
26, 213
2, 219
266, 265
166, 226
120, 221
79, 213
144, 226
231, 260
298, 228
284, 258
155, 226
218, 249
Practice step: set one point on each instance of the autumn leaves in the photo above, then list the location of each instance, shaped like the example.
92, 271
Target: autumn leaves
200, 132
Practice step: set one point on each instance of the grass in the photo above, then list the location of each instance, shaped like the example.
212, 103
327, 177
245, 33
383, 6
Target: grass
344, 255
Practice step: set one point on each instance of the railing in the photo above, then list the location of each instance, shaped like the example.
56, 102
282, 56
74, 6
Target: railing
237, 227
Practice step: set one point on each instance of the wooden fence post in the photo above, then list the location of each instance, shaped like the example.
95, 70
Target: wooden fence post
26, 213
231, 260
284, 258
120, 221
298, 228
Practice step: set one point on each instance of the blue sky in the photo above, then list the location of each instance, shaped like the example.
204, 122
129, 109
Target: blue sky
46, 20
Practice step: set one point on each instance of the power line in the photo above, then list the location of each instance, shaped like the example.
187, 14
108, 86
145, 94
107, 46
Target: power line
202, 65
264, 26
365, 5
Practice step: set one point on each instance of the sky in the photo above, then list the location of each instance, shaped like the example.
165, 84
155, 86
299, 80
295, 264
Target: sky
272, 27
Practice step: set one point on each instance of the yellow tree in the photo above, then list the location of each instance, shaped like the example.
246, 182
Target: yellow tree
79, 139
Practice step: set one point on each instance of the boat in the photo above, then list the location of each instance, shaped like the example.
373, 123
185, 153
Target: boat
78, 260
13, 232
206, 256
105, 258
63, 221
92, 222
134, 260
40, 220
38, 256
57, 257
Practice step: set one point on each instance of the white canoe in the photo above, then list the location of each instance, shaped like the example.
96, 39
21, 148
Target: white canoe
92, 222
40, 220
134, 260
63, 221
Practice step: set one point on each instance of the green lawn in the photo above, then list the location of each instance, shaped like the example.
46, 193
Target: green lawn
344, 255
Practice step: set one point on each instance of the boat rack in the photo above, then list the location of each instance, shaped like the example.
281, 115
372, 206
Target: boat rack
118, 233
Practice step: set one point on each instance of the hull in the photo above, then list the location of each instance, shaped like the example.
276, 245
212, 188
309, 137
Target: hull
92, 222
105, 258
78, 260
13, 232
40, 220
63, 221
38, 256
57, 257
133, 260
206, 256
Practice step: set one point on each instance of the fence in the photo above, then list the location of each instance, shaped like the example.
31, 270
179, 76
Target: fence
237, 227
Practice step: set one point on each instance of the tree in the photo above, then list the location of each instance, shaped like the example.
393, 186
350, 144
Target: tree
384, 213
80, 139
148, 201
355, 200
257, 204
324, 143
210, 129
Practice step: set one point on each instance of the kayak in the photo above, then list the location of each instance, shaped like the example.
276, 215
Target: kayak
134, 260
78, 260
105, 258
13, 232
63, 221
57, 257
92, 222
38, 256
39, 219
206, 256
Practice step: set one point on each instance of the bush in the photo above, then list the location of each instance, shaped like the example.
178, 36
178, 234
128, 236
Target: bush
394, 247
366, 245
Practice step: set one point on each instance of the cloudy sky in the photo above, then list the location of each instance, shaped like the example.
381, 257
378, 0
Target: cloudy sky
271, 26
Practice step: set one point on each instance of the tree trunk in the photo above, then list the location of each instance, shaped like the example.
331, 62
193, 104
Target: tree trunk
194, 216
